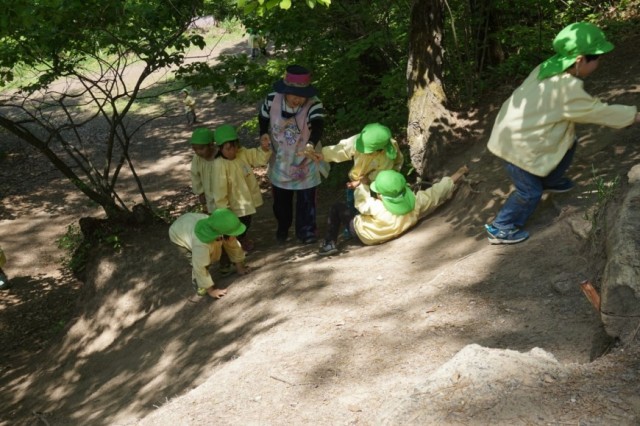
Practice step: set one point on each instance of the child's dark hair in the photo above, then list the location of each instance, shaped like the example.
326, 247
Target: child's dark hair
590, 58
219, 153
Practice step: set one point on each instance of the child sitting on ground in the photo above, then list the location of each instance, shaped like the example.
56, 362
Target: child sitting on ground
534, 132
371, 150
393, 211
202, 173
205, 237
235, 185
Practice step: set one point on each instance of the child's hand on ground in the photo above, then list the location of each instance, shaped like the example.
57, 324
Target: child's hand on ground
459, 173
216, 293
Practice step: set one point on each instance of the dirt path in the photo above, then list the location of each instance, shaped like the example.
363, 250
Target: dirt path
309, 340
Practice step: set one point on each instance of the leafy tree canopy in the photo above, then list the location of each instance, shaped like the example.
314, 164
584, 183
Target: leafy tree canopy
101, 52
56, 35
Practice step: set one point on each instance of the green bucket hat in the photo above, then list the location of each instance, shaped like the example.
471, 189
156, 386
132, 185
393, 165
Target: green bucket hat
225, 133
375, 137
220, 222
580, 38
396, 195
201, 136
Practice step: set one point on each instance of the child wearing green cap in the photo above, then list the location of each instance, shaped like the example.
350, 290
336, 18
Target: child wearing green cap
372, 150
202, 170
235, 185
390, 213
534, 132
205, 237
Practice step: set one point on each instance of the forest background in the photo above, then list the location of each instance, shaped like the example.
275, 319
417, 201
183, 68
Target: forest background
419, 67
92, 87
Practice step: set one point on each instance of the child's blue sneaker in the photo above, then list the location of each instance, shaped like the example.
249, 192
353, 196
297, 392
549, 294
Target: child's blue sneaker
328, 248
565, 185
505, 236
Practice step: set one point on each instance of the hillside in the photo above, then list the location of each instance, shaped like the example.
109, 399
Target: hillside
436, 327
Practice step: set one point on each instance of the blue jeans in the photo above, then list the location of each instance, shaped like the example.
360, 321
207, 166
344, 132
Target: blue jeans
523, 201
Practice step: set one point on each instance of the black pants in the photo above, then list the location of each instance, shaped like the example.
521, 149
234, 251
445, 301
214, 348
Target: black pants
305, 211
340, 216
246, 220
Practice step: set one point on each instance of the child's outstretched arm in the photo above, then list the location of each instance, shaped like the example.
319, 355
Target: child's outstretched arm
459, 174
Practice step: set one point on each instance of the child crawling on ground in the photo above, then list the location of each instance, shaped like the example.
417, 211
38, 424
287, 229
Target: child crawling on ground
205, 237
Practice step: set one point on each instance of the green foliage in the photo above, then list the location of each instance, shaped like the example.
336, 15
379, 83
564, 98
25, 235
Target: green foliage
76, 248
356, 53
233, 26
94, 44
490, 43
62, 34
260, 7
605, 191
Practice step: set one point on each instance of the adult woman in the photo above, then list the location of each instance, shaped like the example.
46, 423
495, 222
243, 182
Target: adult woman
290, 118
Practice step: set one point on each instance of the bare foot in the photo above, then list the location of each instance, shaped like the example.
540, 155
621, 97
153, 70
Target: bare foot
216, 293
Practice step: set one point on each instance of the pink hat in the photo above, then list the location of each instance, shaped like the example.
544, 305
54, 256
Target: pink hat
297, 81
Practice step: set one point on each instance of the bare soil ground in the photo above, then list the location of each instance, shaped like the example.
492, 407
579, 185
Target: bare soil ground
436, 327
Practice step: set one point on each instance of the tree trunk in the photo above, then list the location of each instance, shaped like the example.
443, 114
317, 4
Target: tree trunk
428, 117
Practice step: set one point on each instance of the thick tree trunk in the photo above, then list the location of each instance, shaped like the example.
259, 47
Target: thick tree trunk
428, 117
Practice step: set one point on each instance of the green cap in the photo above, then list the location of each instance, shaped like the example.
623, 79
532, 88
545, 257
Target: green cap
580, 38
225, 133
201, 136
396, 195
220, 222
375, 137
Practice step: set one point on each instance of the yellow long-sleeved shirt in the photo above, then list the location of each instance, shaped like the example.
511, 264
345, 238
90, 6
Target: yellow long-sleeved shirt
235, 186
189, 104
375, 224
536, 126
181, 232
368, 165
202, 179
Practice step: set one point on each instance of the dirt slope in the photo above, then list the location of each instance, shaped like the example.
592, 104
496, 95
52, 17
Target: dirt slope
359, 338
